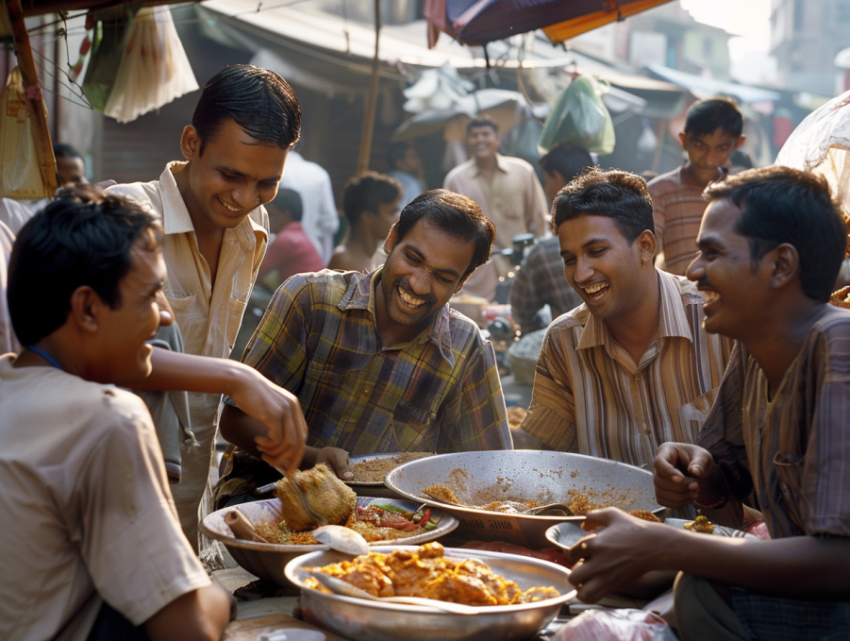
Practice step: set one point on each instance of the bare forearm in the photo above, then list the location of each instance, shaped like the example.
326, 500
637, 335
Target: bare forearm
173, 371
240, 429
201, 615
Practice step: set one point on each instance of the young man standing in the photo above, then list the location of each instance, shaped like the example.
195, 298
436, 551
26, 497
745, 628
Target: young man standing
371, 205
712, 133
379, 361
770, 247
508, 192
95, 548
632, 367
216, 232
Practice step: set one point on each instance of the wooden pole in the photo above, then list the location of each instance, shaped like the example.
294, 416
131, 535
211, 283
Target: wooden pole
368, 127
41, 132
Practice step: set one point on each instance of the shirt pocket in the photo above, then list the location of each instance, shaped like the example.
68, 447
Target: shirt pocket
407, 415
789, 477
187, 319
235, 312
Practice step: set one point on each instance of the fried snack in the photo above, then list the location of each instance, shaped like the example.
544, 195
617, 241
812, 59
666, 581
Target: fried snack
700, 524
515, 416
646, 515
841, 298
427, 573
441, 493
329, 497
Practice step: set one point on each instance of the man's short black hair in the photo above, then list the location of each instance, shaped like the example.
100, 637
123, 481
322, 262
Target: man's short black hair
782, 205
366, 193
568, 160
706, 116
82, 238
482, 122
259, 100
289, 200
61, 150
456, 215
619, 195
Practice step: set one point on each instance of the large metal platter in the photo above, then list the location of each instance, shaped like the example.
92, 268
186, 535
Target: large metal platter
363, 620
372, 488
522, 474
267, 560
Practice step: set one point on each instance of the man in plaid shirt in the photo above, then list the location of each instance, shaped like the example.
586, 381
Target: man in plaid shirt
378, 361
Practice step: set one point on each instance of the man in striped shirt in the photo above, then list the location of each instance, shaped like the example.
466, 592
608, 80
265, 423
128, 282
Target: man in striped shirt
378, 361
771, 245
632, 367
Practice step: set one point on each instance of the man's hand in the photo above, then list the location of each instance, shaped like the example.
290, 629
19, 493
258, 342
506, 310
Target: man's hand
336, 459
615, 556
280, 412
678, 469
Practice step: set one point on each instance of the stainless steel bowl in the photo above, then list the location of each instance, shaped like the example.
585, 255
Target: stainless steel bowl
521, 474
372, 488
363, 620
267, 560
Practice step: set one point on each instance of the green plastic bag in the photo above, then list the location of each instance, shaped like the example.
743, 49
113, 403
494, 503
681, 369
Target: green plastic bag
111, 32
579, 117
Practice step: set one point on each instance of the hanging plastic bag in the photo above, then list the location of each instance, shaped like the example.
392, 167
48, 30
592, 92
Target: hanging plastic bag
20, 177
154, 69
112, 29
579, 117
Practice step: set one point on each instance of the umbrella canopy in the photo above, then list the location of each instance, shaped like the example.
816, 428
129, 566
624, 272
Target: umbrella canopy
482, 21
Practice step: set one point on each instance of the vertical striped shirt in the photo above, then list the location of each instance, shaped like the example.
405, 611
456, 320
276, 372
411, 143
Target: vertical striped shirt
439, 392
793, 449
591, 397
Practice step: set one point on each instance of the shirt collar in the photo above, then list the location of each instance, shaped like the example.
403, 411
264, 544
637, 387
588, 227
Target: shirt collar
361, 295
177, 220
500, 165
672, 321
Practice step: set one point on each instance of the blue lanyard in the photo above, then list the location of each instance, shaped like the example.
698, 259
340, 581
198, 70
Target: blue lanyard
45, 356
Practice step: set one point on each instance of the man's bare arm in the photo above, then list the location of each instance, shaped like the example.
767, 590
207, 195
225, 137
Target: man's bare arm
200, 615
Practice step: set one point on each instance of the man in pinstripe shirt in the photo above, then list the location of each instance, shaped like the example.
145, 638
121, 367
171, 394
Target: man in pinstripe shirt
632, 367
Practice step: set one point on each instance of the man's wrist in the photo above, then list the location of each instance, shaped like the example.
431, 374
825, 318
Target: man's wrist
713, 491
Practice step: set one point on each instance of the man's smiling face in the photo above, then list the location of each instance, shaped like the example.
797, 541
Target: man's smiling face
603, 267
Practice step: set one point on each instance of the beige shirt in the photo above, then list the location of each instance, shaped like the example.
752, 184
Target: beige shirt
86, 507
591, 397
513, 200
208, 317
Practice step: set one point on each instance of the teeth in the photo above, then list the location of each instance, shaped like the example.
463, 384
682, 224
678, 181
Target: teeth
410, 300
233, 209
592, 289
710, 296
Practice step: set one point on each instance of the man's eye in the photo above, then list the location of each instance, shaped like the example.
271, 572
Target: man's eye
569, 261
597, 252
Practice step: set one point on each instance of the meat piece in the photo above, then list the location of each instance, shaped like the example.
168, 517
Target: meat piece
329, 497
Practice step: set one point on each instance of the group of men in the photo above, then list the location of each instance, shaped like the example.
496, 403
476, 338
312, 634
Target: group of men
144, 287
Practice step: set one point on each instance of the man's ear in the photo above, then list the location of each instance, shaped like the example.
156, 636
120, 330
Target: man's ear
740, 142
389, 243
85, 309
190, 142
784, 265
682, 139
646, 244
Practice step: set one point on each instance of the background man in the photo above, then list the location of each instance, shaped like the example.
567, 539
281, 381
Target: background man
540, 280
379, 361
508, 192
70, 166
712, 132
406, 168
291, 252
98, 547
771, 244
632, 367
216, 231
371, 206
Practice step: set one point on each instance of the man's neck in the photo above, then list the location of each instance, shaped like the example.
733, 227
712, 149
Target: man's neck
362, 242
58, 348
487, 165
636, 331
389, 332
210, 236
699, 176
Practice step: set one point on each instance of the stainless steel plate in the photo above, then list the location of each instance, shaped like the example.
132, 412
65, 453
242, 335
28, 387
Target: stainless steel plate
267, 560
522, 474
363, 620
372, 488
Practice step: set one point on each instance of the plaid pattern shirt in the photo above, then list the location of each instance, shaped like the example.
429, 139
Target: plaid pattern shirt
440, 392
541, 281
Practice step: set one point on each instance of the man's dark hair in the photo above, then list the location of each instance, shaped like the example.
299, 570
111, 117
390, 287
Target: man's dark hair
396, 151
619, 195
366, 193
82, 238
782, 205
482, 122
61, 150
456, 215
568, 160
289, 200
259, 100
706, 116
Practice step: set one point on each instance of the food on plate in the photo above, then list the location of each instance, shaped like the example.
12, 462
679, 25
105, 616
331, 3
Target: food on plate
841, 298
700, 524
374, 523
329, 497
441, 493
646, 515
427, 573
242, 527
374, 470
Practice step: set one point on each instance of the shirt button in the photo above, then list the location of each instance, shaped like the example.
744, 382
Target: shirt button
367, 391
